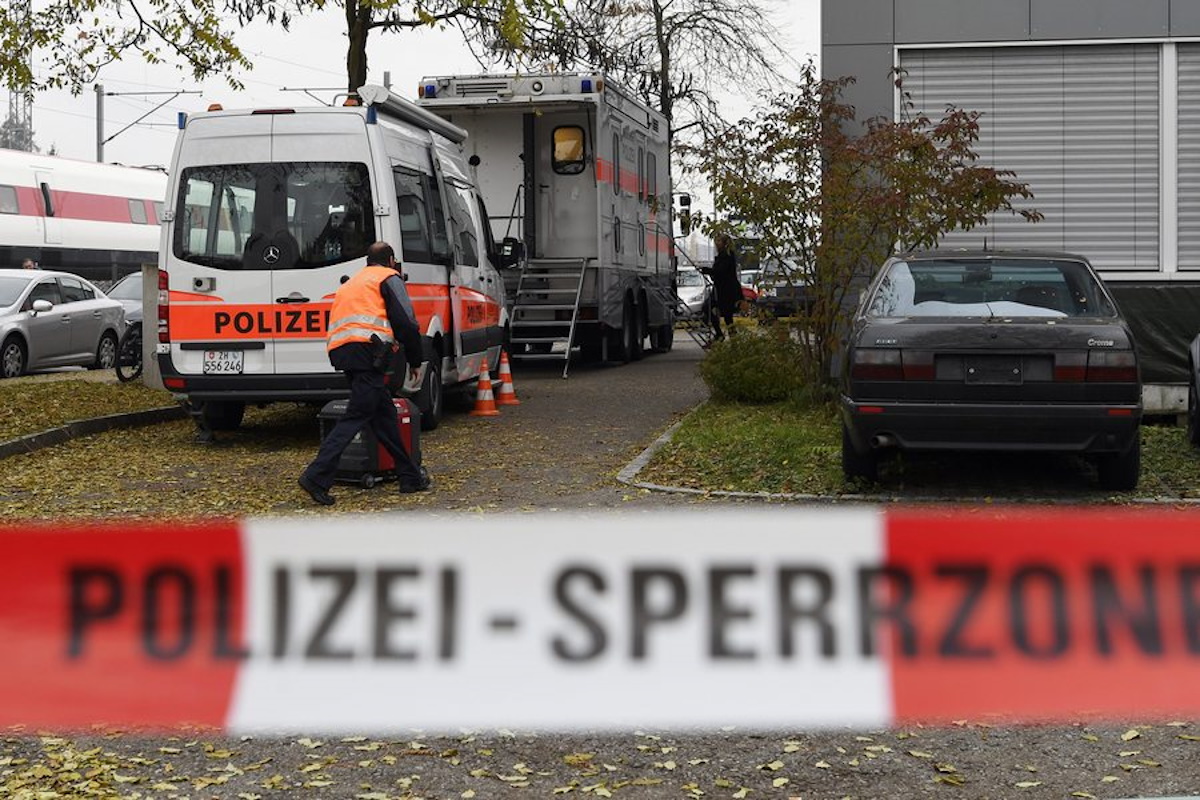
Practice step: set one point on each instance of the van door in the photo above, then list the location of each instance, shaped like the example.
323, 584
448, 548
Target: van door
565, 199
470, 293
324, 207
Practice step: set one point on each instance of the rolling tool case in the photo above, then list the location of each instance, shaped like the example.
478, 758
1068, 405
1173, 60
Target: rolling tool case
365, 461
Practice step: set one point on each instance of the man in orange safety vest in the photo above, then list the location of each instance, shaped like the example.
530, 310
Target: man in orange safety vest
371, 320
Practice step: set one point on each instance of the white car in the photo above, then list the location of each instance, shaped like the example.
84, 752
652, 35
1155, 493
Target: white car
55, 319
693, 290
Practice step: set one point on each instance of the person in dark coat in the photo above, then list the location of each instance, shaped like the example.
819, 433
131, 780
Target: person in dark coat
726, 286
371, 322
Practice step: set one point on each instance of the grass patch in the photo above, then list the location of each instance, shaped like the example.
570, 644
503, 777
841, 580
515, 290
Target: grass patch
793, 448
28, 407
740, 447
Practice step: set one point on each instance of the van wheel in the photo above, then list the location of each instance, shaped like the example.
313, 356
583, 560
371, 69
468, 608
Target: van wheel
856, 465
431, 398
13, 358
222, 415
1119, 472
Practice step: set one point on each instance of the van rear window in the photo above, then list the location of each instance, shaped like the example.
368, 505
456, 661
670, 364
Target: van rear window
283, 215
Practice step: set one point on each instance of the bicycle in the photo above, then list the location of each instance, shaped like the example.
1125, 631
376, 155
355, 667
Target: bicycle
129, 354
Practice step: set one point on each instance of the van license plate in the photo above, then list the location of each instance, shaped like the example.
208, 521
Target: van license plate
224, 362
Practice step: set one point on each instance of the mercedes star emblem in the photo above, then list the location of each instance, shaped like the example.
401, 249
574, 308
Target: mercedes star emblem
271, 254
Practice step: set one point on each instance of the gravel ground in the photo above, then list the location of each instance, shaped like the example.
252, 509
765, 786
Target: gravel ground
559, 450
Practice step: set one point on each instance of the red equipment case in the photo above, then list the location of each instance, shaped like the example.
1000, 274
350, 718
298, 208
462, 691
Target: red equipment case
365, 461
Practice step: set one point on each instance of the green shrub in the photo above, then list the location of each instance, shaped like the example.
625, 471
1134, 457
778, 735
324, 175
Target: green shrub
754, 367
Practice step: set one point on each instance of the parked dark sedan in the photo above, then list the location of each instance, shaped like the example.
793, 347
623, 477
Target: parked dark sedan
991, 351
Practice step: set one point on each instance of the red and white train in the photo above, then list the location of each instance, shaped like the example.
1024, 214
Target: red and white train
100, 221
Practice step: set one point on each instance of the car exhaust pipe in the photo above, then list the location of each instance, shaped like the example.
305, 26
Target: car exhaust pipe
881, 440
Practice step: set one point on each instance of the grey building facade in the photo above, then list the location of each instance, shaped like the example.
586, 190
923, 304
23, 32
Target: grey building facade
1094, 103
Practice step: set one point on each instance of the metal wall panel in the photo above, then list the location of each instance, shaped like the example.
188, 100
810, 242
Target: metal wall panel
1185, 18
959, 20
859, 22
1099, 19
1079, 124
871, 65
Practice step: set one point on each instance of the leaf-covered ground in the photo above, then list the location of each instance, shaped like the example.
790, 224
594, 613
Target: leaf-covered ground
964, 761
38, 403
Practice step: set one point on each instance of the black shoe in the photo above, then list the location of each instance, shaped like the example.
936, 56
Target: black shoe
412, 488
318, 494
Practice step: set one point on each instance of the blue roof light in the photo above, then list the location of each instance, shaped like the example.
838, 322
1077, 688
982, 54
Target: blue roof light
430, 91
585, 85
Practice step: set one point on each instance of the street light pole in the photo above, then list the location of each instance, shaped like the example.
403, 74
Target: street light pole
101, 94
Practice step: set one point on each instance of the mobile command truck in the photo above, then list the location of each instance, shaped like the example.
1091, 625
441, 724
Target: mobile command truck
576, 173
100, 221
271, 209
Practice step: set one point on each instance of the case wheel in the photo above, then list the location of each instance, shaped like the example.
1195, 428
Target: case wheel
367, 481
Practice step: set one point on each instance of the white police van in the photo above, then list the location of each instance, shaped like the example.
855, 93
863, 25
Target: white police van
269, 210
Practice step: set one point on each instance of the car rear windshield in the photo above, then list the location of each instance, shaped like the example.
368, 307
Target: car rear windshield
10, 290
315, 213
990, 288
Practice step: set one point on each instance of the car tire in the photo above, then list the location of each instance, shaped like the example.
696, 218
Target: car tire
856, 465
14, 358
1193, 415
431, 398
1119, 472
106, 351
222, 415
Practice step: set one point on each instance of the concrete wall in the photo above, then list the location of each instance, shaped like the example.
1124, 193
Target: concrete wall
859, 36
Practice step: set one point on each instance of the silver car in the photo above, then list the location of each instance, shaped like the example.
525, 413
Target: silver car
55, 319
694, 291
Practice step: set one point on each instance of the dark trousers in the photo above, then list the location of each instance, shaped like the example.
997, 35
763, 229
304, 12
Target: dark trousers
370, 404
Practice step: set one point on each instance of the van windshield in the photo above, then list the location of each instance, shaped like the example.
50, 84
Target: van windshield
284, 215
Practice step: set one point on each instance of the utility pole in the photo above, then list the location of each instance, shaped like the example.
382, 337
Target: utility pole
19, 124
101, 94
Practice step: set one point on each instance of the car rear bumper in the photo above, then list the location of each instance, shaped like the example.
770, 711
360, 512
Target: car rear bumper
301, 388
1071, 428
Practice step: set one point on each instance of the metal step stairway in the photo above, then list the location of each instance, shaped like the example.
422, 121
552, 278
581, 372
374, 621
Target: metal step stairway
545, 310
698, 327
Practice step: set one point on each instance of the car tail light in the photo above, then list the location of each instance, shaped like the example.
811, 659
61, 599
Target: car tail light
1114, 366
164, 308
877, 365
918, 365
1070, 367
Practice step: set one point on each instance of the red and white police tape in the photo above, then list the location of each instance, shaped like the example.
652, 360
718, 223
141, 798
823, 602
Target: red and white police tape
774, 618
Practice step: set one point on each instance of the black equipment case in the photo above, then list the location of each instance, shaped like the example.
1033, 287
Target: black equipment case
365, 461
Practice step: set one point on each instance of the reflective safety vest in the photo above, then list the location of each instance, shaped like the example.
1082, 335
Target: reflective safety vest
359, 310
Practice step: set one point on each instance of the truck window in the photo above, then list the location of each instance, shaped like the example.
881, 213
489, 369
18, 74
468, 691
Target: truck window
616, 164
8, 200
323, 209
641, 169
569, 154
414, 216
651, 177
466, 238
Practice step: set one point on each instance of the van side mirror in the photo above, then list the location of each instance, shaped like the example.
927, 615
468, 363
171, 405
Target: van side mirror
511, 252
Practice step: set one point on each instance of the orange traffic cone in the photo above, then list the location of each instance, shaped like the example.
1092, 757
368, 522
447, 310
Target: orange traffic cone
508, 395
485, 401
